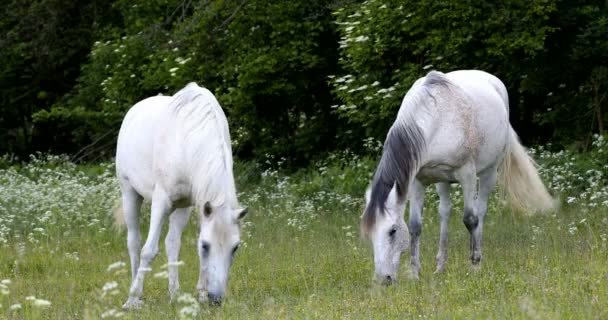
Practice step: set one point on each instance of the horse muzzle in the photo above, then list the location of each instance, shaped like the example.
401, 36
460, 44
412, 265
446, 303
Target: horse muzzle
215, 300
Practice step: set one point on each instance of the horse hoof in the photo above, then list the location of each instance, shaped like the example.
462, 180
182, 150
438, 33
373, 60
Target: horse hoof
414, 275
173, 295
133, 303
440, 270
476, 267
202, 296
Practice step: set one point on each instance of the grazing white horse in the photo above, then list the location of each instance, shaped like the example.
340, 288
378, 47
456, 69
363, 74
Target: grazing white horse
451, 127
176, 153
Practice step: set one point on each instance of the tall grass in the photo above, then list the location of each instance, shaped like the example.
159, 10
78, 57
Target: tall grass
301, 254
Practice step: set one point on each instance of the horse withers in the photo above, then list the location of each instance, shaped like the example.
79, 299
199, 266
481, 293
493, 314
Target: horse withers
451, 127
176, 153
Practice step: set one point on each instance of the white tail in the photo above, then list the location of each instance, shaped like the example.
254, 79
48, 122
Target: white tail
119, 216
520, 181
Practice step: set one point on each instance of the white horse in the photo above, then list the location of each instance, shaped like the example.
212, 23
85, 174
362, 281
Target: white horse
451, 127
176, 153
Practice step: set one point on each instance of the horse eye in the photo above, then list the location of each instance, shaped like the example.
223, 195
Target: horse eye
234, 249
392, 232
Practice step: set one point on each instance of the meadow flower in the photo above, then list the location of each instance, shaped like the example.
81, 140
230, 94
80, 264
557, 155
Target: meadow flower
112, 313
176, 264
191, 308
109, 288
41, 303
116, 265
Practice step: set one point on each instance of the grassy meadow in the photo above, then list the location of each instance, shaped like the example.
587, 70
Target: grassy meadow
301, 256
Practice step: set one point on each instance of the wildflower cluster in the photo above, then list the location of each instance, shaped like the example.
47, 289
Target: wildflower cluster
110, 289
191, 307
52, 193
579, 179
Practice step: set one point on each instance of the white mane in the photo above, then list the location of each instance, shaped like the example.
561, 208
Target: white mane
202, 127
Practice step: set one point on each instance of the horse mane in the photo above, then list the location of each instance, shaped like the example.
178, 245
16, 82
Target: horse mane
403, 148
203, 129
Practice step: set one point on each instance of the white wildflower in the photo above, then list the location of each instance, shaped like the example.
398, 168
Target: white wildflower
112, 313
41, 303
116, 265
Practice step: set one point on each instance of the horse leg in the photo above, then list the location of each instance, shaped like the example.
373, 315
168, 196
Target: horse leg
416, 194
487, 182
445, 208
468, 180
131, 204
161, 206
177, 222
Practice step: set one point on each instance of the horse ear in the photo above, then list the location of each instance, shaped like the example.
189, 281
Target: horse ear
207, 209
243, 213
393, 199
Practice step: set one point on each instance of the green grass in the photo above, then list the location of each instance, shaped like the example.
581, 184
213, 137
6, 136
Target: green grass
539, 267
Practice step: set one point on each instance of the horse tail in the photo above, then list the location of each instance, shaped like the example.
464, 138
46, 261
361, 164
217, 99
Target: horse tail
520, 181
118, 215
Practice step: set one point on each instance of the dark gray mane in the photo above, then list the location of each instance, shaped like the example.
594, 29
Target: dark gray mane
401, 154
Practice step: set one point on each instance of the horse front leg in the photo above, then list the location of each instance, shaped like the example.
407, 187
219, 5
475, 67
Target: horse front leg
161, 206
177, 223
445, 209
416, 194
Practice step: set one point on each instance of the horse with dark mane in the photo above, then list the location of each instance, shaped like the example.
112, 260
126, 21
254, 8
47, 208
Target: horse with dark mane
450, 128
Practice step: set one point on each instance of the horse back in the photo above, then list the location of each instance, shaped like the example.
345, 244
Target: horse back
135, 145
470, 123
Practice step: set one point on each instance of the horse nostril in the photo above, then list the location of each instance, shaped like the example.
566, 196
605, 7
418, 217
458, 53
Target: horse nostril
214, 300
388, 280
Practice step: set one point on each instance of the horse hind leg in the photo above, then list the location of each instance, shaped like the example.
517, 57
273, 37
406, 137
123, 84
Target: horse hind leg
177, 223
416, 194
445, 208
487, 183
468, 180
131, 205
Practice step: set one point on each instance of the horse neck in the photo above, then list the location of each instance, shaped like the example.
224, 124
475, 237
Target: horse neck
208, 153
417, 108
214, 183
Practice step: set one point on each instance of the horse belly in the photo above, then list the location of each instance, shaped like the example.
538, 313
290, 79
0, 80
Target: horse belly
436, 173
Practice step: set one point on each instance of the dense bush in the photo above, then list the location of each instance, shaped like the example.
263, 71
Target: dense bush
546, 52
297, 79
266, 62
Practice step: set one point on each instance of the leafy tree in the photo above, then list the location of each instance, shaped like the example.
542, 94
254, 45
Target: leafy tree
386, 45
266, 61
43, 43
